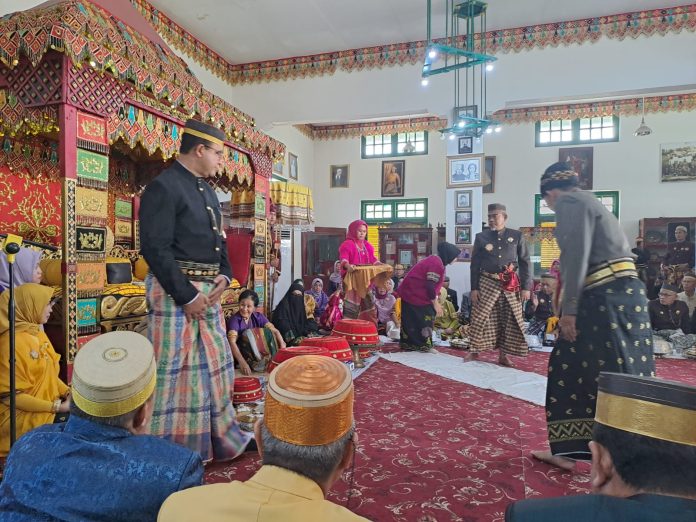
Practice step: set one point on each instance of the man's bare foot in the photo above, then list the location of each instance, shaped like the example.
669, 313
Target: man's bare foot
503, 360
471, 356
554, 460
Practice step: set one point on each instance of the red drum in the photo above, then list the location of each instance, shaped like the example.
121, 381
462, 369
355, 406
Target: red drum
293, 351
337, 346
358, 333
246, 389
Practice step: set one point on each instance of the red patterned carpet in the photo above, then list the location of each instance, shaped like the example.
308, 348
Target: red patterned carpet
435, 449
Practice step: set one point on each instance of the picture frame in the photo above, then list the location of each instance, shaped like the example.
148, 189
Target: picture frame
581, 161
676, 163
462, 235
464, 170
489, 175
292, 166
278, 167
462, 199
338, 176
392, 183
465, 254
468, 111
405, 257
465, 145
463, 217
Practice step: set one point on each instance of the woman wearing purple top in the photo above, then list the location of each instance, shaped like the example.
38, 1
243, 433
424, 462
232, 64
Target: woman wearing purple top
245, 319
320, 298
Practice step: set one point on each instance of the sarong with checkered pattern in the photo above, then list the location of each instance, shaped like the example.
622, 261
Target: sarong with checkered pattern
195, 376
496, 321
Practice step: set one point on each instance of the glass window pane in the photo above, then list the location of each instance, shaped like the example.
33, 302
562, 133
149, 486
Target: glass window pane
420, 146
596, 121
608, 133
596, 134
387, 148
556, 125
401, 137
567, 124
369, 140
567, 136
608, 120
584, 123
544, 126
420, 136
543, 137
584, 134
400, 148
556, 136
369, 150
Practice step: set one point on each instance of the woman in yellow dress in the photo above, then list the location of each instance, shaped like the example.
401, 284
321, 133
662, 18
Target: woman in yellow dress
40, 392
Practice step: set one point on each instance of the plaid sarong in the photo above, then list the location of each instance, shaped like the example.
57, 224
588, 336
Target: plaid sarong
496, 321
195, 377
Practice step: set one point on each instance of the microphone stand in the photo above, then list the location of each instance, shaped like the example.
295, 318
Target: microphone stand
11, 248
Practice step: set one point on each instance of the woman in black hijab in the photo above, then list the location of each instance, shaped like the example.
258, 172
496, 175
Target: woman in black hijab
290, 317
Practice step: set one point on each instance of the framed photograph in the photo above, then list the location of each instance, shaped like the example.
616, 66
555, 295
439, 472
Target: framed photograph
677, 161
464, 170
393, 178
278, 168
338, 176
462, 235
292, 165
466, 111
462, 217
580, 159
466, 144
405, 257
462, 199
489, 175
465, 254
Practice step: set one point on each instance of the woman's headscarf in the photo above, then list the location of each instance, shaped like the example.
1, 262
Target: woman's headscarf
316, 295
353, 231
447, 252
290, 313
25, 264
335, 276
31, 300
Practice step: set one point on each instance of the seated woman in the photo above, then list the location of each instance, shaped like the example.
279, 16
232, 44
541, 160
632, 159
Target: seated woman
290, 316
246, 318
320, 298
40, 392
335, 278
448, 323
540, 307
419, 304
384, 303
333, 312
26, 268
670, 319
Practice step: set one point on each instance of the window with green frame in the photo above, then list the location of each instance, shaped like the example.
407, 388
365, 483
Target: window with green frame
543, 214
379, 211
574, 132
397, 144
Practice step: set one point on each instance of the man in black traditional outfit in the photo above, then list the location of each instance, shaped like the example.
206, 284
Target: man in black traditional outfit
643, 458
183, 243
604, 323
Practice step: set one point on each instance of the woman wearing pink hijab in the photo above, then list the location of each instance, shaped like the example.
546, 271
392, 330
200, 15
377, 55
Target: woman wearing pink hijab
356, 250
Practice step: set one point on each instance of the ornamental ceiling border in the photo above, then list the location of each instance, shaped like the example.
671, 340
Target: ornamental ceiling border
618, 26
352, 130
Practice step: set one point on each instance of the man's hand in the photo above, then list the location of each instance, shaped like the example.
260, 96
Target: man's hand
64, 405
566, 325
196, 309
525, 294
221, 284
474, 297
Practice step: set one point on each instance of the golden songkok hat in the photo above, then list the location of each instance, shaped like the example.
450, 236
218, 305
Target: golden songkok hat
559, 175
646, 406
204, 131
496, 207
114, 374
309, 401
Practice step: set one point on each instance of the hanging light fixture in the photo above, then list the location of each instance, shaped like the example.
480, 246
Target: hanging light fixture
643, 129
462, 51
409, 147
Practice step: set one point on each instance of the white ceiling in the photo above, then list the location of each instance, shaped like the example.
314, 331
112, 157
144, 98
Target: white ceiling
253, 30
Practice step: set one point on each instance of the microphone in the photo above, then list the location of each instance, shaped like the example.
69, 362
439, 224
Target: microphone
11, 248
18, 241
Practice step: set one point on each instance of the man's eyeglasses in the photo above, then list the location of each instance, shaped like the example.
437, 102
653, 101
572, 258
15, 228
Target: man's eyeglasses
218, 152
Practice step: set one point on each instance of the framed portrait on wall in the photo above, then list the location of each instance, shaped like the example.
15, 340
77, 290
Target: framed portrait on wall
462, 235
292, 166
393, 178
465, 254
278, 168
339, 176
464, 170
462, 199
580, 159
466, 111
462, 217
466, 145
677, 161
489, 175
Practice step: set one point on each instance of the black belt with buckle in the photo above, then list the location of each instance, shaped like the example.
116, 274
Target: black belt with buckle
199, 271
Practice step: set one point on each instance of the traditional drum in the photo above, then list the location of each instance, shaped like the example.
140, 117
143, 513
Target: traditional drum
293, 351
357, 333
246, 389
337, 346
661, 347
258, 346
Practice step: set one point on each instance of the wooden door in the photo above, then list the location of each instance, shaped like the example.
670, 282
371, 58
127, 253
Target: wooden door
320, 252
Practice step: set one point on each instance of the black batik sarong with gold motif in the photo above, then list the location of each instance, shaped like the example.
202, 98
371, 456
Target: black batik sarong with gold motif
614, 335
417, 327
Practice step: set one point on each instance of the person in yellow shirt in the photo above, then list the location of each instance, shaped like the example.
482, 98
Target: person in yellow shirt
306, 440
40, 392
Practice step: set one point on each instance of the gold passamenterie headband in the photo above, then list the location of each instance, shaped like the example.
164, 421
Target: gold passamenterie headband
118, 407
650, 419
309, 401
203, 135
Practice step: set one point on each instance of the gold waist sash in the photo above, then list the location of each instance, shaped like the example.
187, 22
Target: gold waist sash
360, 279
606, 272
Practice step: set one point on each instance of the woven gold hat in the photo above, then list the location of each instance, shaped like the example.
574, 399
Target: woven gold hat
114, 374
309, 401
647, 406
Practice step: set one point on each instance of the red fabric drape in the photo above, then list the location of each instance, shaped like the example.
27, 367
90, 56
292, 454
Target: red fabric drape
239, 253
